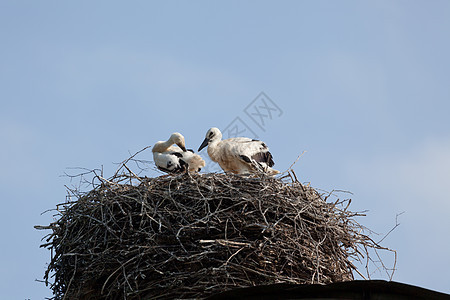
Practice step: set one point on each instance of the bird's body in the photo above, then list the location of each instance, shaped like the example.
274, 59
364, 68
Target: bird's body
239, 155
175, 160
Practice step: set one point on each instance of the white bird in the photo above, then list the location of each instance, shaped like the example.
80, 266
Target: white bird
175, 160
238, 155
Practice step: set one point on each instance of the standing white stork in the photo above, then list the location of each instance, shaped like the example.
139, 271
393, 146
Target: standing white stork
174, 160
238, 155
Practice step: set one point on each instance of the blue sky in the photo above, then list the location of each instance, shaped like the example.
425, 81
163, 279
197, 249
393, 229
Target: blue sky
363, 87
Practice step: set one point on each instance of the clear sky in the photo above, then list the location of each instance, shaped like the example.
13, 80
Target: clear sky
361, 86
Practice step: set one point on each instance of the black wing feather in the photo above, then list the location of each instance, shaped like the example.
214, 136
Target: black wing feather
180, 168
245, 158
177, 154
264, 157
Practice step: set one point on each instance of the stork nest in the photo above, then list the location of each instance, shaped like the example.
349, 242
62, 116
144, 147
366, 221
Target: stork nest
192, 236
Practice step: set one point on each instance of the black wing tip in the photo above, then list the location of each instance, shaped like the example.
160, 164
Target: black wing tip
270, 161
163, 169
245, 158
264, 157
172, 172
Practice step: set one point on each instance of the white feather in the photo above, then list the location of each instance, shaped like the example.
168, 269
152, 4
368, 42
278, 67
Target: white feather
173, 159
239, 155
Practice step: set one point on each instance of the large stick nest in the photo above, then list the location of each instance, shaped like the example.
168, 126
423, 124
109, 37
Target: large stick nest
191, 236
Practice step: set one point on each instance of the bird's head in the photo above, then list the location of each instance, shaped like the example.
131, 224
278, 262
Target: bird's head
213, 134
178, 139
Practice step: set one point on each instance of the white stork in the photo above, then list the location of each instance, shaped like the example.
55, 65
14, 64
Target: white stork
175, 160
238, 155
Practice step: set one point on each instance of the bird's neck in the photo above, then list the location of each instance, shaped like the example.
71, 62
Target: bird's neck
213, 149
162, 146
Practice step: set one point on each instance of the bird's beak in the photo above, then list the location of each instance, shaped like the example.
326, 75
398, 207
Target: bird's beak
182, 147
204, 144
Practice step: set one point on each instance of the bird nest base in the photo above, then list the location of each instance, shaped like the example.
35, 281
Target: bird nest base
195, 235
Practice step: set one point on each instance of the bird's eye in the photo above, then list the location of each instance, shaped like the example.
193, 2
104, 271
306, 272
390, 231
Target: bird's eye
211, 134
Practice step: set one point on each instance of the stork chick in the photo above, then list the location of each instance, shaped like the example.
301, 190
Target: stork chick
238, 155
175, 160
